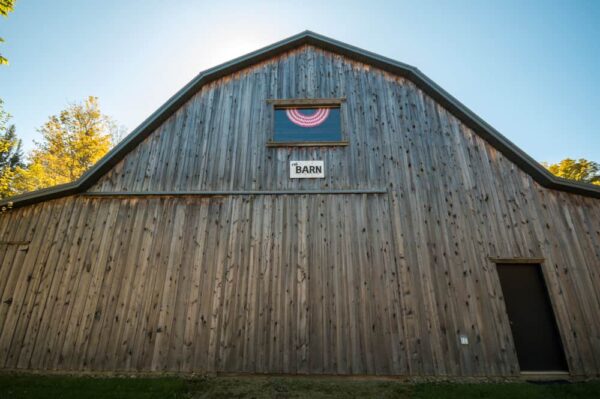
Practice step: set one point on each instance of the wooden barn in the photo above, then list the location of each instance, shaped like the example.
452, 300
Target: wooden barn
309, 208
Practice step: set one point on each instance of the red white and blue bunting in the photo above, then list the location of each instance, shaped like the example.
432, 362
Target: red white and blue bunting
303, 120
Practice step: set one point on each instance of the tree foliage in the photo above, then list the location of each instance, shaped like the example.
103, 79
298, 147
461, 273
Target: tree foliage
6, 6
579, 170
72, 141
11, 154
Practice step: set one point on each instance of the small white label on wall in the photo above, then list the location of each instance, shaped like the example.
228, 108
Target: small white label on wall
307, 169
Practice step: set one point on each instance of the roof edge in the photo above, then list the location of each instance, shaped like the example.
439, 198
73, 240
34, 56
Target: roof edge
482, 128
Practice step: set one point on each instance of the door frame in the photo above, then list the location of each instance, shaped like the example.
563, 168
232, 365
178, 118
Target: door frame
540, 262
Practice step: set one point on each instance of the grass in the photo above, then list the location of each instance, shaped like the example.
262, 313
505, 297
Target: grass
67, 387
35, 386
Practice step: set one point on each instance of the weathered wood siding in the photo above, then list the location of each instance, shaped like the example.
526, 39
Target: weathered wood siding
348, 284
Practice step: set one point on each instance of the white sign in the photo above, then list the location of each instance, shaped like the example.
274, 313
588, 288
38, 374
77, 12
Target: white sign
307, 169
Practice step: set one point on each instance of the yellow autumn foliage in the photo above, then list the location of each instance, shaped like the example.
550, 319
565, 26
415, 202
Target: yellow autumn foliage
72, 142
578, 170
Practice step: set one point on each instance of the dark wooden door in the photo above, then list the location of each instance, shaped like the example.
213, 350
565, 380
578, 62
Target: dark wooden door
532, 321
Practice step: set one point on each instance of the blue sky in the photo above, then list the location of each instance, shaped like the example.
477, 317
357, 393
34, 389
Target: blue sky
529, 68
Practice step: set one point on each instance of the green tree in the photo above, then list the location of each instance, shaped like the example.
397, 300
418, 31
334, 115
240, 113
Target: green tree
72, 141
11, 154
6, 6
579, 170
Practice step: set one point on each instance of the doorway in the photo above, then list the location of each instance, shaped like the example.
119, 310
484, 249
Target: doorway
532, 321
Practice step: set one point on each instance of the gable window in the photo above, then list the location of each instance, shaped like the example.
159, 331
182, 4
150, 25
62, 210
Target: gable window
307, 123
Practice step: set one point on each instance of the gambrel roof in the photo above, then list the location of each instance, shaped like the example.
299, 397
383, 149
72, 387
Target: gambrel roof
487, 132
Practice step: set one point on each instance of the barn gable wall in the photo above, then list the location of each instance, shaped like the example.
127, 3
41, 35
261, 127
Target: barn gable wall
372, 283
